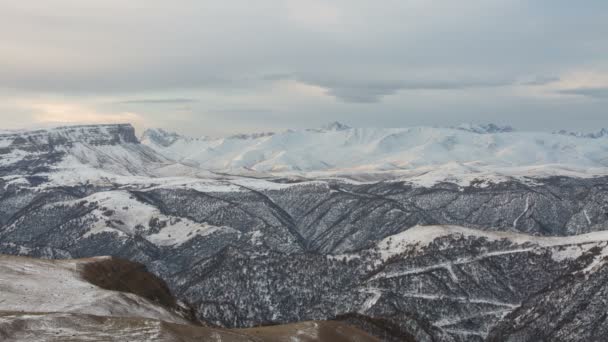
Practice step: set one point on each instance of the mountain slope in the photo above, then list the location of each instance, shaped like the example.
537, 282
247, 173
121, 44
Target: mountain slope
436, 282
105, 299
61, 327
97, 286
572, 308
433, 252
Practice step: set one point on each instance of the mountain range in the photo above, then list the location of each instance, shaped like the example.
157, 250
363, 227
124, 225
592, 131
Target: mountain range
421, 154
469, 233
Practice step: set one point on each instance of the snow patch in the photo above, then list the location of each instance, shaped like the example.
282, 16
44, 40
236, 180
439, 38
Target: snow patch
35, 285
419, 237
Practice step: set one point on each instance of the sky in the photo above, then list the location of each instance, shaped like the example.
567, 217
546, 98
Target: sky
203, 67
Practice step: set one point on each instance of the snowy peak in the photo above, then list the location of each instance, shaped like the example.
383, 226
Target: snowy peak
335, 126
160, 137
602, 133
485, 128
250, 136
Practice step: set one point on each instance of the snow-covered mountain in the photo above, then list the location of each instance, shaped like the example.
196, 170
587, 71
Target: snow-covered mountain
418, 155
78, 153
602, 133
416, 234
341, 150
485, 128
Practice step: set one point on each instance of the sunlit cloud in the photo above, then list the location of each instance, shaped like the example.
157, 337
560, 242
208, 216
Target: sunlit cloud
71, 113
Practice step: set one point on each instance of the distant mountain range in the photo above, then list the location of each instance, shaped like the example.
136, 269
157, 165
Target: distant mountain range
424, 154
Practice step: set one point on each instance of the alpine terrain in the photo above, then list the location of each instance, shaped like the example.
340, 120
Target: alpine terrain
466, 233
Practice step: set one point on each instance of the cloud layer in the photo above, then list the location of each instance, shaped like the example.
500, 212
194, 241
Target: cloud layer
217, 67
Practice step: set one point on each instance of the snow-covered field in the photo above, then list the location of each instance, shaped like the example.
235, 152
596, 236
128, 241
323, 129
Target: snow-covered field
42, 286
422, 236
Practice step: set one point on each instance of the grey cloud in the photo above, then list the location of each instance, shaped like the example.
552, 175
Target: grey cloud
598, 93
159, 101
541, 80
277, 77
365, 94
97, 47
374, 91
231, 53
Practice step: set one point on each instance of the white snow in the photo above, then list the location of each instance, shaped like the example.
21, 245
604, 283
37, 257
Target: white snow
526, 208
598, 261
375, 295
568, 252
448, 265
35, 285
587, 217
421, 155
421, 236
119, 212
450, 321
461, 299
256, 237
177, 234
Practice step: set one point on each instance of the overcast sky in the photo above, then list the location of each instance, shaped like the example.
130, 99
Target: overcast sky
218, 67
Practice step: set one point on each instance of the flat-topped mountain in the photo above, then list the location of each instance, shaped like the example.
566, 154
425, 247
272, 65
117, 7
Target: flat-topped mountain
79, 152
49, 138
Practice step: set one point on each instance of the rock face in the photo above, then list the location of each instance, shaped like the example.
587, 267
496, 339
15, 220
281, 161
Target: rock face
443, 261
51, 139
76, 151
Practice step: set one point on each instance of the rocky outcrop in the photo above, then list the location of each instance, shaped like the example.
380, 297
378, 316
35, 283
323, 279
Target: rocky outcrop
49, 139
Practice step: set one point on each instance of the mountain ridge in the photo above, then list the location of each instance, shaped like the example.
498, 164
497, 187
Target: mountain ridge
424, 252
471, 148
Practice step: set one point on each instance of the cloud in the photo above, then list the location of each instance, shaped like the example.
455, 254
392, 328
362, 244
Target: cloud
73, 113
159, 101
315, 15
321, 59
541, 80
374, 91
104, 47
595, 92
